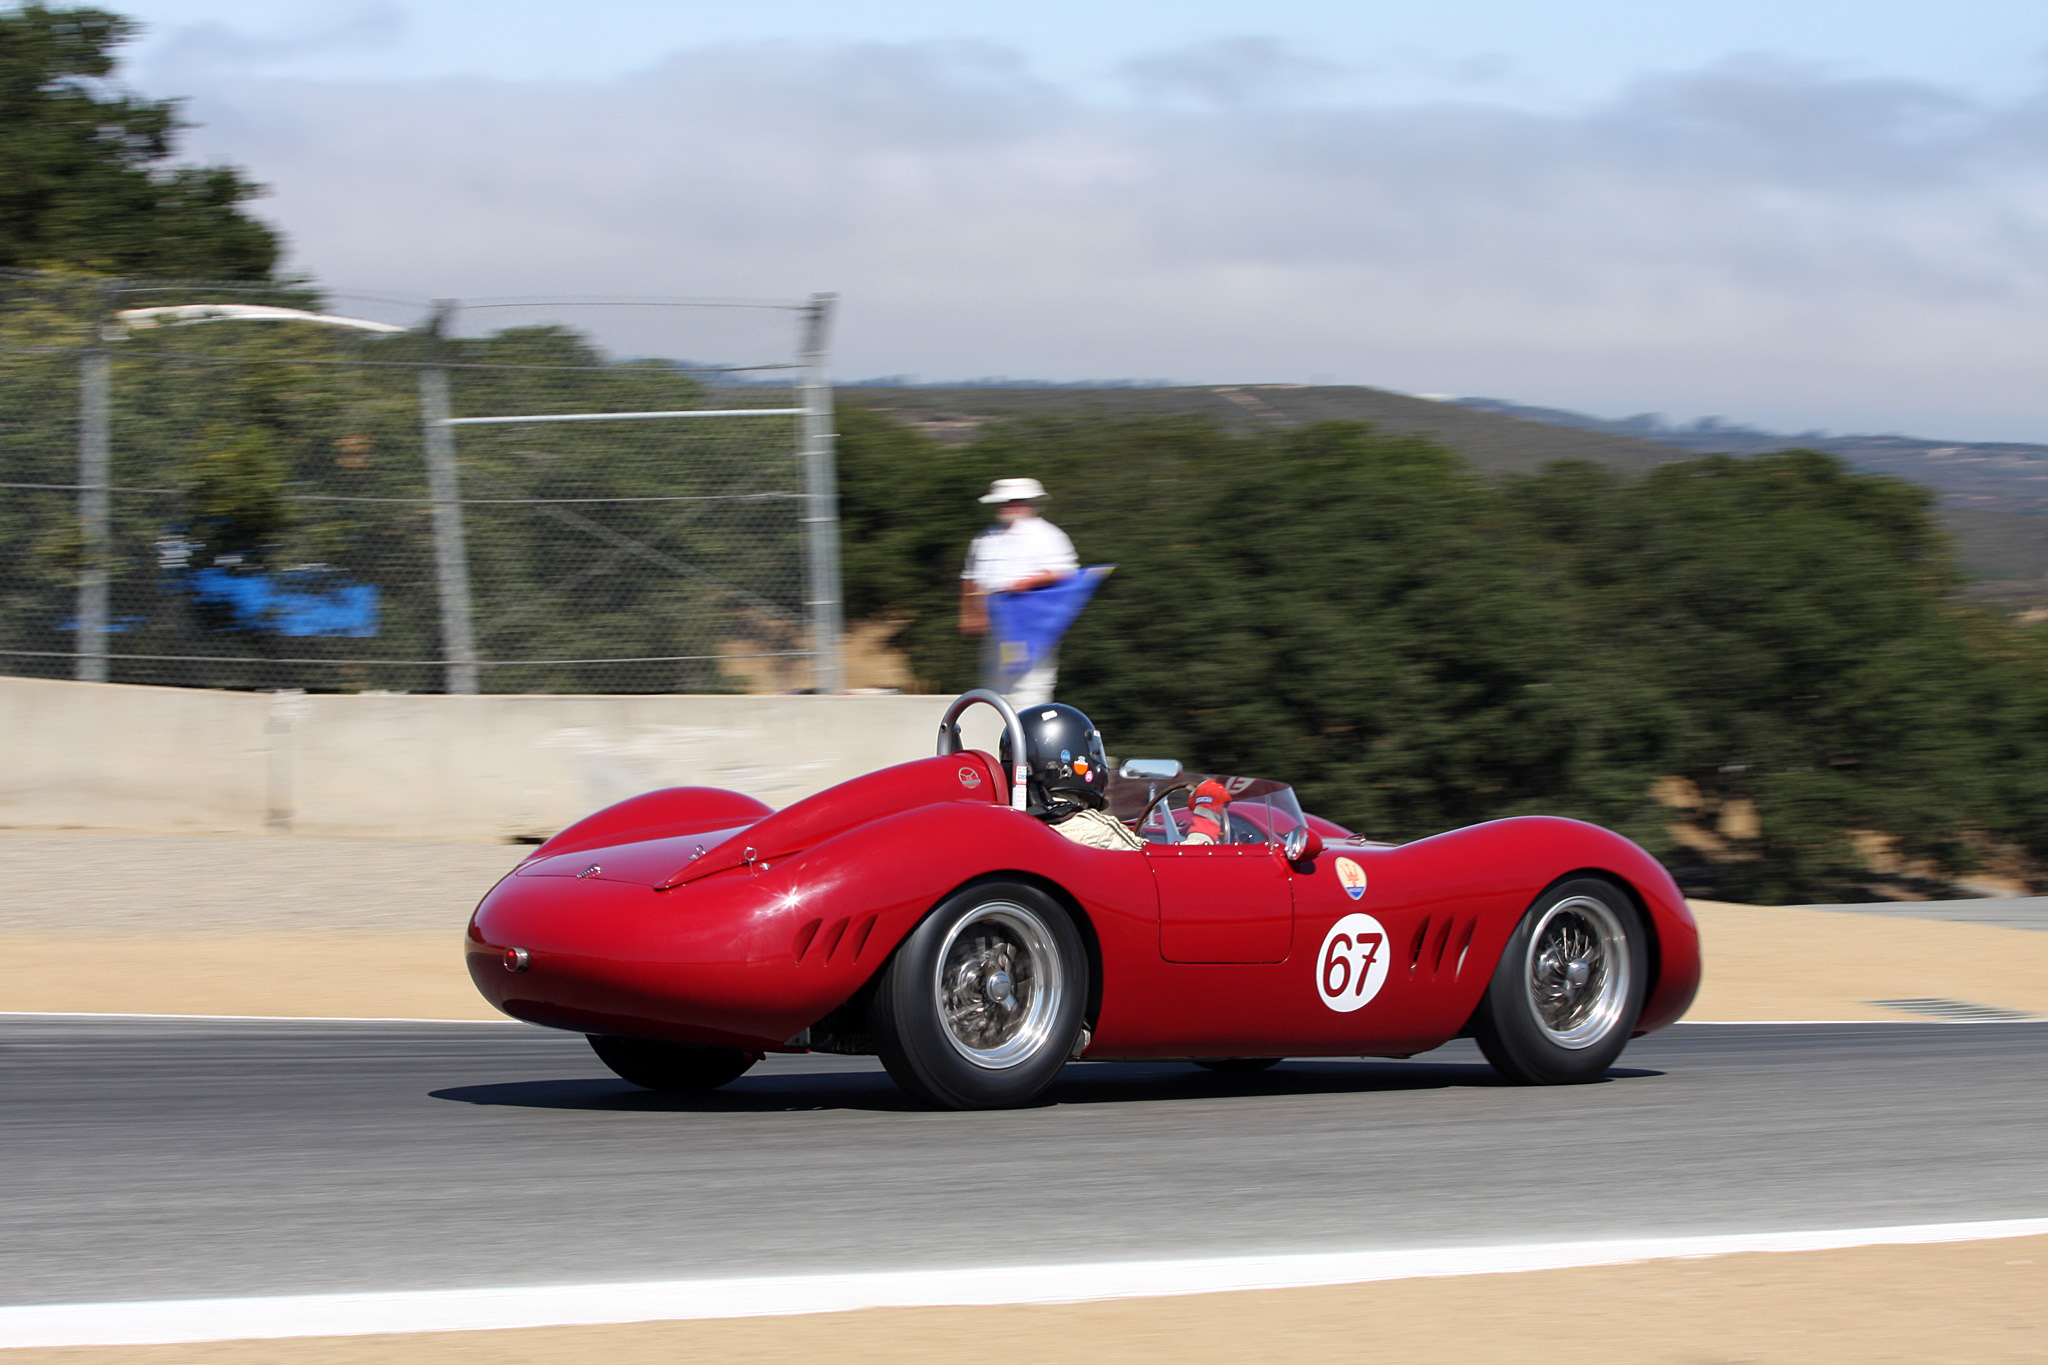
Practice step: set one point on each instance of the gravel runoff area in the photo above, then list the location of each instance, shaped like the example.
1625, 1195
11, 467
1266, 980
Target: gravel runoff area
1979, 1303
180, 924
62, 881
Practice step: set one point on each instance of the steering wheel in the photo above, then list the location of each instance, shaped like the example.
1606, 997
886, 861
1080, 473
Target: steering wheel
1153, 804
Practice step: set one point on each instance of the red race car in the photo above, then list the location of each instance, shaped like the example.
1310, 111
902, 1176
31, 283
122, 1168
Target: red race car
945, 915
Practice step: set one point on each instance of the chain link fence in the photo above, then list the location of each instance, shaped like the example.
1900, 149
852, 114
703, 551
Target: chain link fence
255, 486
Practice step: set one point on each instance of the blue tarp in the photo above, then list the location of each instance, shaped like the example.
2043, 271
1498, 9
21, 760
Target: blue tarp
289, 603
1028, 625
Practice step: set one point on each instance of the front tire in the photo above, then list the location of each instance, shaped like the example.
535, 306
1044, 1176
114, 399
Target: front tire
671, 1068
1570, 983
982, 1004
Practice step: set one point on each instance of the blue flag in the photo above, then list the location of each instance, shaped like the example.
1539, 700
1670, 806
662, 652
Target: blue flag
1028, 625
295, 602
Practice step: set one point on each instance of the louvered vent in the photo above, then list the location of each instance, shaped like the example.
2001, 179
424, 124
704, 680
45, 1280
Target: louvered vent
802, 942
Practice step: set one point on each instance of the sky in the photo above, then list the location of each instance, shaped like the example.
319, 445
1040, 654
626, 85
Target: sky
1811, 216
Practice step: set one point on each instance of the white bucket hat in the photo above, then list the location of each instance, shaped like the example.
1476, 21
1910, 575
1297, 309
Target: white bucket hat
1014, 490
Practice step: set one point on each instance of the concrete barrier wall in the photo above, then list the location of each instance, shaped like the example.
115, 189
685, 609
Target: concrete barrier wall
174, 760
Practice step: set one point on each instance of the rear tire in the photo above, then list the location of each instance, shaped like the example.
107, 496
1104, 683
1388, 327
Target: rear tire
981, 1005
671, 1068
1569, 985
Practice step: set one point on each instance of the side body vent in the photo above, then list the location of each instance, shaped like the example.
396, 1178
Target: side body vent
859, 938
832, 937
1443, 941
1464, 947
820, 942
801, 944
1415, 945
1436, 940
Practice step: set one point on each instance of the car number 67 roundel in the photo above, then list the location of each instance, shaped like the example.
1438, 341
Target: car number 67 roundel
1352, 966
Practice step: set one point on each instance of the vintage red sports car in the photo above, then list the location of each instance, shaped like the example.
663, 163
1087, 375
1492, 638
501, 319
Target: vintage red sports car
923, 914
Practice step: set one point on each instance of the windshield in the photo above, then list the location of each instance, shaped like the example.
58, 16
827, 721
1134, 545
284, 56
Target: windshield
1261, 811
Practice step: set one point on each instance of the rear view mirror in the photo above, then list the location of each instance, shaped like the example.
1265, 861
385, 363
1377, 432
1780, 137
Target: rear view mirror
1157, 769
1301, 844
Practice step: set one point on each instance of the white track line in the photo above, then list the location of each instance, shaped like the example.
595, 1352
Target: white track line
472, 1310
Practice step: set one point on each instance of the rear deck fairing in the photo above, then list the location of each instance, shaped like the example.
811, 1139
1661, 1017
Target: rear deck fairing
773, 924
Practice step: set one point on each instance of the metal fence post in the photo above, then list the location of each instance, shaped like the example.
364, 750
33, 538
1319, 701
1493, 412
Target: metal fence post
94, 509
451, 557
821, 504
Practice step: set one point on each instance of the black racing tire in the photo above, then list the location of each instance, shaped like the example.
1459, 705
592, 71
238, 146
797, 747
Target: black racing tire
1569, 985
982, 1004
671, 1068
1236, 1066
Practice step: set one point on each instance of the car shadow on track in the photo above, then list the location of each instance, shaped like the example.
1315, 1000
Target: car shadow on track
1083, 1083
748, 1095
1140, 1082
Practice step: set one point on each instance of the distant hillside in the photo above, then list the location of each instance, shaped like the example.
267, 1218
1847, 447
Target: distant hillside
1994, 498
1994, 495
1983, 476
1493, 443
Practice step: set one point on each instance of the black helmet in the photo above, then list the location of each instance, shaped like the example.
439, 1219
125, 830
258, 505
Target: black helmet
1063, 756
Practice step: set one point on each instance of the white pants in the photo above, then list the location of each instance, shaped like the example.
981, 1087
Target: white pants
1034, 688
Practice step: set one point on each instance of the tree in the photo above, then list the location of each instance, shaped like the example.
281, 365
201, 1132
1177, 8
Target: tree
86, 173
1772, 639
1793, 618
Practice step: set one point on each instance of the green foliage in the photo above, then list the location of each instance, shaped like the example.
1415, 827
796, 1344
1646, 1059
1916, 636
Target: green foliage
1416, 648
298, 450
1793, 617
906, 513
2009, 701
86, 178
235, 493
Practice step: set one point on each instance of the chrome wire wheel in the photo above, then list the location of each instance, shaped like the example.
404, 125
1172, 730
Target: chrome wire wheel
1577, 972
999, 985
981, 1005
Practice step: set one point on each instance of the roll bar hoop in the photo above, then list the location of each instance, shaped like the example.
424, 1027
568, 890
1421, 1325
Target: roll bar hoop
949, 737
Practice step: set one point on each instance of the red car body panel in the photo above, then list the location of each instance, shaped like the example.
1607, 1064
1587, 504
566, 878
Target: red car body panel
782, 917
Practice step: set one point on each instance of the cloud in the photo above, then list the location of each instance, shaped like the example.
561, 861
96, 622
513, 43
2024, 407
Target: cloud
1757, 239
1225, 71
190, 49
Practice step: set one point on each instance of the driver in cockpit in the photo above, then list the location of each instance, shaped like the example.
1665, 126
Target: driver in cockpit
1068, 777
1207, 819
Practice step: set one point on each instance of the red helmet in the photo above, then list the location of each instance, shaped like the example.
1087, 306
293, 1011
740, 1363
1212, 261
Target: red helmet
1205, 808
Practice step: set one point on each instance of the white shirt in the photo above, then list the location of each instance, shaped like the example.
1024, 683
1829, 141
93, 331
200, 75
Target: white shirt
1029, 545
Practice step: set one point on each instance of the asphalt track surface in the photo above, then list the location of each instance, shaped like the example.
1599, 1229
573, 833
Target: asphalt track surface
160, 1158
